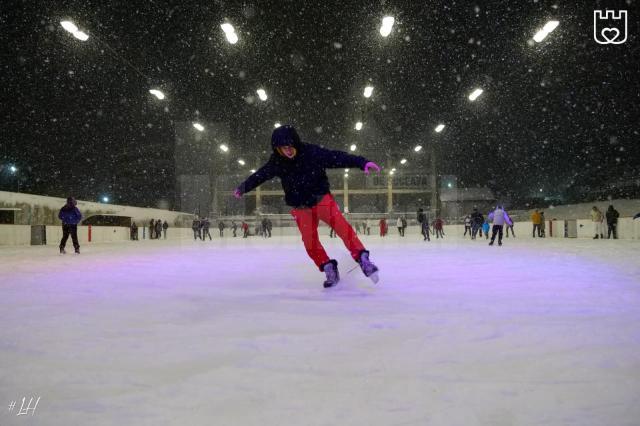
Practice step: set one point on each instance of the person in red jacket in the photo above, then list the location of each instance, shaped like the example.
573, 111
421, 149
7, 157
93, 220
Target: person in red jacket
301, 169
383, 227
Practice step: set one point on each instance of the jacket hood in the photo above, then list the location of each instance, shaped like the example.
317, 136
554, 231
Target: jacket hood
285, 136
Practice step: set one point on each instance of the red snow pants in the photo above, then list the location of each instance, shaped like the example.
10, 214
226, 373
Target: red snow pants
326, 210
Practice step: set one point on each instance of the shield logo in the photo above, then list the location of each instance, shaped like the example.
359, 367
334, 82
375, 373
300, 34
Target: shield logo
609, 26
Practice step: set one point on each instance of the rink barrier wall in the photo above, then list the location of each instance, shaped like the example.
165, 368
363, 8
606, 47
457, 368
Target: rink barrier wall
20, 235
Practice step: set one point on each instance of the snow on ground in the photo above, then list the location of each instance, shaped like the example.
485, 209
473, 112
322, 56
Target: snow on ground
240, 332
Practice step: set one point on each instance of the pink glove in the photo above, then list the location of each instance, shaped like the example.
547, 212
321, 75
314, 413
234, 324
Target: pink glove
371, 165
237, 193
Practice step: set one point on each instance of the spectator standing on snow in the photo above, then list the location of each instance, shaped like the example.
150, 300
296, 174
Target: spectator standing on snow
612, 222
70, 217
158, 228
598, 222
499, 217
134, 231
206, 224
477, 222
269, 227
195, 226
467, 225
152, 229
438, 227
234, 228
536, 219
424, 224
165, 226
542, 226
221, 228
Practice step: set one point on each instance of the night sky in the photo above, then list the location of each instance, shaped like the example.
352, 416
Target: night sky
77, 118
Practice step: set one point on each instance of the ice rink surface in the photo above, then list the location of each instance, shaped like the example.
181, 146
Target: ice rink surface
241, 332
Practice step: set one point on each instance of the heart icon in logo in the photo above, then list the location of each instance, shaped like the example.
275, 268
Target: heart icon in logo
610, 34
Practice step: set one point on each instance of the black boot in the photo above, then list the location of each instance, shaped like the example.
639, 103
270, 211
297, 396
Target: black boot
368, 268
62, 250
331, 270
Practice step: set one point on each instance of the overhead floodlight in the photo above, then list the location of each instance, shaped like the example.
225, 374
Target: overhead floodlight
157, 93
262, 94
359, 125
227, 28
81, 36
391, 172
229, 32
353, 147
368, 91
439, 128
387, 25
346, 175
276, 125
346, 170
417, 148
13, 169
232, 38
403, 161
69, 26
224, 148
474, 95
545, 31
252, 170
241, 162
105, 199
198, 127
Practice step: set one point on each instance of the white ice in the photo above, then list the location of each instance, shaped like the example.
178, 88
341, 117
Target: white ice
240, 332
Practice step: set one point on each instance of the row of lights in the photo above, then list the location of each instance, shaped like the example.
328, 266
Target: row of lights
385, 31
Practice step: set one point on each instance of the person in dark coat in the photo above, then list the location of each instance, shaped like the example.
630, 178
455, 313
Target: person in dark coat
165, 226
70, 217
301, 169
206, 224
158, 229
134, 231
152, 229
195, 226
424, 224
612, 222
221, 228
477, 222
234, 228
269, 227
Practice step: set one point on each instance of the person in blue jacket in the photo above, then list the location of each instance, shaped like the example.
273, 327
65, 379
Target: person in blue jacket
301, 169
70, 217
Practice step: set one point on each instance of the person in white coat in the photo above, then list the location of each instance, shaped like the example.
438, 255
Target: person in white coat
499, 217
399, 225
598, 222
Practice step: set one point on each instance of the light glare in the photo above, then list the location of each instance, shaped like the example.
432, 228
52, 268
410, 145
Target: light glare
368, 91
198, 127
439, 128
474, 95
157, 93
224, 148
417, 148
81, 36
353, 147
241, 162
359, 125
387, 25
69, 26
262, 94
403, 161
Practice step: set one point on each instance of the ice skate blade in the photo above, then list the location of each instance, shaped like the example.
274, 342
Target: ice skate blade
374, 277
